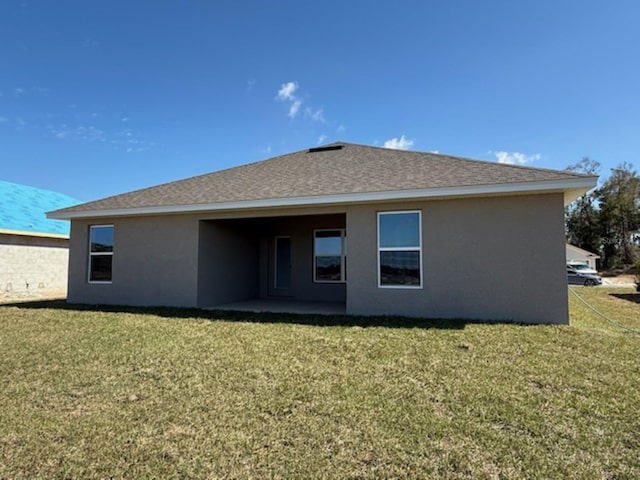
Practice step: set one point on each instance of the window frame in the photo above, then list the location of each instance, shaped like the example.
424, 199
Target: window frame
96, 254
343, 255
400, 249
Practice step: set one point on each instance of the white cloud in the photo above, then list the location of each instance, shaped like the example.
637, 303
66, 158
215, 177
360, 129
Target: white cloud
81, 132
293, 109
135, 146
90, 43
317, 116
124, 119
125, 139
515, 158
340, 129
287, 91
401, 143
24, 92
321, 139
130, 141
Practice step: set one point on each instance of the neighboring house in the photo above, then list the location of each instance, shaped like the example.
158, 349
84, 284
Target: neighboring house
575, 254
384, 232
34, 250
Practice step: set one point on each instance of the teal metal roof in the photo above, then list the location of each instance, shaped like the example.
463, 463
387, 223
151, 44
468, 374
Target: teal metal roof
24, 208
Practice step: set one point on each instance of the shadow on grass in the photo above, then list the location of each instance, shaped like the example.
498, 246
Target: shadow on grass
630, 297
263, 317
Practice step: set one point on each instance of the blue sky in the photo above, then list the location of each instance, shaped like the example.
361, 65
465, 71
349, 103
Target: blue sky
99, 98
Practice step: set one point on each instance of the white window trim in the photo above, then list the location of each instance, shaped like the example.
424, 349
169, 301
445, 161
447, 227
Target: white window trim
96, 254
343, 255
399, 249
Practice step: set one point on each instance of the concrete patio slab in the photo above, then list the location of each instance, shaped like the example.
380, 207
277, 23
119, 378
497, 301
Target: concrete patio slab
284, 306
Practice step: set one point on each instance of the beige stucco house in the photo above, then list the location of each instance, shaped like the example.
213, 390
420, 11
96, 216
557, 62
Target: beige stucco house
378, 231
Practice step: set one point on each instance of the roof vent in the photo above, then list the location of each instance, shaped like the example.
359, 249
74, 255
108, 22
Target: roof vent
326, 148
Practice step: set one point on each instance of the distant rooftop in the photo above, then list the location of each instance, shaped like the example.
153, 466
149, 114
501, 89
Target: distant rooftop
22, 209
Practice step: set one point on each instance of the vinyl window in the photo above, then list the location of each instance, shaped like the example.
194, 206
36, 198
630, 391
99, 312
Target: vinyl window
100, 253
329, 255
400, 249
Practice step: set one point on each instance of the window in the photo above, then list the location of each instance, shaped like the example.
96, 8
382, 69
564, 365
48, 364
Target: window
399, 249
329, 255
100, 253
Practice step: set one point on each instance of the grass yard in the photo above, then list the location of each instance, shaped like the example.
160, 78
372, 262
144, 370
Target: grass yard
168, 393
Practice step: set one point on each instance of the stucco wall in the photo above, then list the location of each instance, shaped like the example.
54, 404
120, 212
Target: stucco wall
155, 262
498, 258
300, 229
228, 263
180, 260
236, 259
33, 264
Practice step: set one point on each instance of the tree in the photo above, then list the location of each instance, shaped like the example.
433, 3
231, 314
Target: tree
583, 224
582, 221
619, 216
586, 165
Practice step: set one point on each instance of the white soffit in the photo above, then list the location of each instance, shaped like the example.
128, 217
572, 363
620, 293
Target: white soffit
572, 189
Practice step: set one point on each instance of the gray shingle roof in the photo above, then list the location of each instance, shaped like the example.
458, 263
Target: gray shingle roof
339, 168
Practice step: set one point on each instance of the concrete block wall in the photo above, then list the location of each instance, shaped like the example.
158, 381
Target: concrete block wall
33, 268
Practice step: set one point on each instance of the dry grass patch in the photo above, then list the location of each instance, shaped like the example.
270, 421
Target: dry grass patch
174, 394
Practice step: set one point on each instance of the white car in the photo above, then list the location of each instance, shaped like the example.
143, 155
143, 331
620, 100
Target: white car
582, 268
575, 277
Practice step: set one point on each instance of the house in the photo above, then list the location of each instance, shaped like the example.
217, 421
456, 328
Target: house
377, 231
578, 255
34, 250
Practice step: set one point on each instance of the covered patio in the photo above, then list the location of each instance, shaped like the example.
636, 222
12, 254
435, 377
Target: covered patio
279, 305
273, 264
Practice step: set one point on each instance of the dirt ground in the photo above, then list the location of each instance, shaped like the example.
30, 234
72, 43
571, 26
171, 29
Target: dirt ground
26, 296
619, 281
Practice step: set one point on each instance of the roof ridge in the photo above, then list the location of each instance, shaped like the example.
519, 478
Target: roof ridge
345, 144
466, 159
354, 169
524, 167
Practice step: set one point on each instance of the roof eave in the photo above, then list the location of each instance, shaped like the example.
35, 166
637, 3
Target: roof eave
572, 189
27, 233
583, 251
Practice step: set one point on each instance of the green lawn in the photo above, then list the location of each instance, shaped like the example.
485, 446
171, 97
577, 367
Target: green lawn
185, 394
